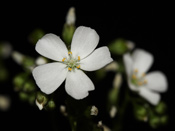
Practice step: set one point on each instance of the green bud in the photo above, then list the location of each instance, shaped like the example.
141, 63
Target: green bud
160, 108
154, 121
29, 86
100, 74
23, 96
36, 35
140, 112
51, 105
28, 62
67, 34
19, 81
164, 119
41, 98
118, 47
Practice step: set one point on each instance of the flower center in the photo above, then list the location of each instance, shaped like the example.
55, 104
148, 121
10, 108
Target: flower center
71, 62
138, 80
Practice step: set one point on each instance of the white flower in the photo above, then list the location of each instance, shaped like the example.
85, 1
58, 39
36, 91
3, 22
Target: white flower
147, 85
69, 63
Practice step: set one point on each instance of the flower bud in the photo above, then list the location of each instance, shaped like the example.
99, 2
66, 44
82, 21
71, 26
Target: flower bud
23, 96
141, 113
51, 105
4, 102
113, 66
154, 121
41, 100
63, 110
17, 57
164, 119
118, 47
67, 34
113, 111
36, 35
40, 60
19, 81
113, 96
71, 17
160, 108
117, 80
29, 86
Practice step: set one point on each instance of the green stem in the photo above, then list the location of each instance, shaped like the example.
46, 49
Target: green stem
118, 125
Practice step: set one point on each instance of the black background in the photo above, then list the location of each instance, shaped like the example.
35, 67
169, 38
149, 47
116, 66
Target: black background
146, 24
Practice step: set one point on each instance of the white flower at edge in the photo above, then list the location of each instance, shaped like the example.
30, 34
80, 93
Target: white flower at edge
69, 65
147, 85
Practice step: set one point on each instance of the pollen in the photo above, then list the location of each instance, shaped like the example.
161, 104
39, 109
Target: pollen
69, 69
79, 58
69, 53
134, 77
136, 70
78, 66
63, 59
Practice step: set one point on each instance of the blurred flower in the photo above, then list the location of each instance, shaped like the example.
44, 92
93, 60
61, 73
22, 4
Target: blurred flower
130, 45
104, 127
113, 111
4, 102
94, 111
147, 85
71, 18
82, 56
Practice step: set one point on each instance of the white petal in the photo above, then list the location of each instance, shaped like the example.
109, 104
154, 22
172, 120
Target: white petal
50, 76
150, 96
156, 81
142, 60
52, 47
78, 84
84, 41
128, 64
132, 86
98, 59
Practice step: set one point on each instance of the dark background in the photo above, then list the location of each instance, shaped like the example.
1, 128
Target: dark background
145, 24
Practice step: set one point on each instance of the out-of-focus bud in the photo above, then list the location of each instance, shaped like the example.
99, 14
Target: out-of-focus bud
23, 96
71, 17
17, 57
29, 86
28, 63
154, 121
120, 46
141, 113
51, 105
113, 66
69, 26
41, 60
94, 111
19, 81
4, 102
4, 74
117, 80
63, 110
5, 49
35, 35
164, 119
41, 100
113, 111
161, 108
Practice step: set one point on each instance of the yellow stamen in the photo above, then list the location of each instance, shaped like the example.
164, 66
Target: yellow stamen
136, 70
69, 53
78, 66
134, 77
69, 69
145, 82
140, 83
63, 59
78, 57
143, 75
